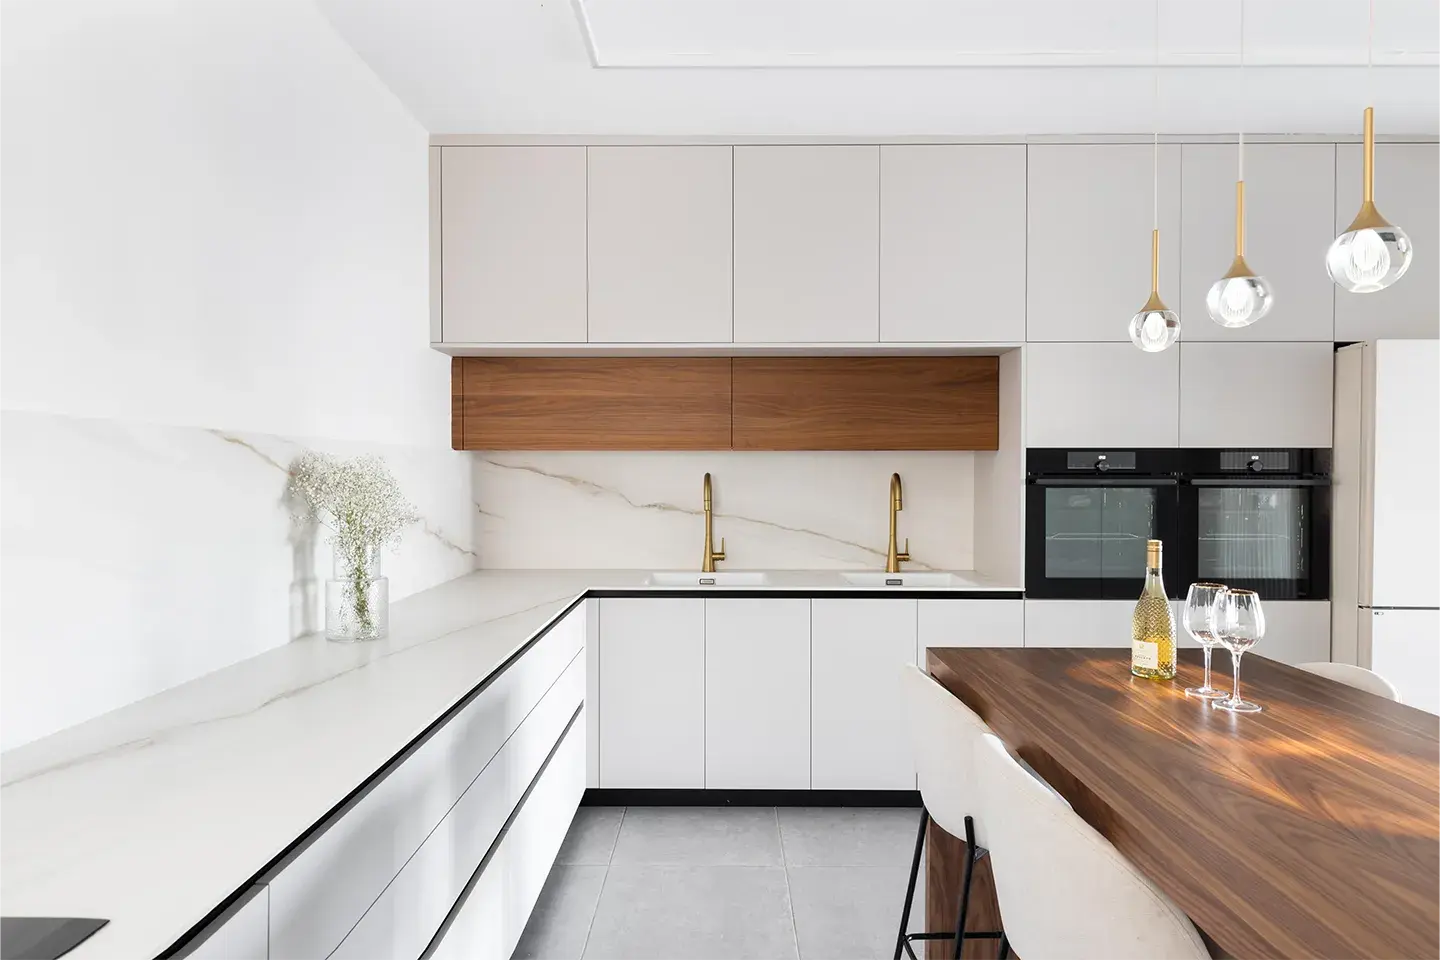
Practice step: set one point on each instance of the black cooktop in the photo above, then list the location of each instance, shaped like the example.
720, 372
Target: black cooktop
43, 938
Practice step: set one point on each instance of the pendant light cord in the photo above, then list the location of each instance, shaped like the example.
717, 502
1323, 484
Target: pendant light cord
1155, 145
1370, 57
1240, 175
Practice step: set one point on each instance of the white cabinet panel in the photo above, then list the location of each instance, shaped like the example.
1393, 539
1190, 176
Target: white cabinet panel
592, 692
1296, 631
969, 623
660, 244
244, 935
1405, 524
1404, 648
1078, 623
1256, 394
1407, 192
858, 738
1290, 221
807, 244
319, 896
409, 912
952, 243
489, 923
512, 244
1101, 394
1090, 217
652, 692
757, 694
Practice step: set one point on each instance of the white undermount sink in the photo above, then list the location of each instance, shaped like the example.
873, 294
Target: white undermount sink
869, 579
720, 578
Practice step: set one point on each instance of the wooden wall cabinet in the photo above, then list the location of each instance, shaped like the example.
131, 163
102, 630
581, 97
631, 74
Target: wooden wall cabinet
720, 403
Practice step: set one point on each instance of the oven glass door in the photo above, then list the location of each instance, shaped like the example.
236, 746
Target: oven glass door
1257, 537
1087, 539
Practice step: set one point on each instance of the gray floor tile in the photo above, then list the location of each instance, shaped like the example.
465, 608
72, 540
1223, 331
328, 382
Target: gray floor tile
561, 919
592, 835
692, 913
699, 836
848, 836
848, 913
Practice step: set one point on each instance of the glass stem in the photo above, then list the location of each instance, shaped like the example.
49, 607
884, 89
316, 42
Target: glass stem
1206, 684
1235, 661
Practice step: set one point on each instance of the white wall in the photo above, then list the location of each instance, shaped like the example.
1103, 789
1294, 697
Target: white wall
214, 243
777, 511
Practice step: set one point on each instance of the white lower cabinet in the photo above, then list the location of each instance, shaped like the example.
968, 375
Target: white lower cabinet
1078, 623
410, 911
757, 694
969, 623
858, 736
319, 896
243, 935
488, 925
652, 692
1296, 631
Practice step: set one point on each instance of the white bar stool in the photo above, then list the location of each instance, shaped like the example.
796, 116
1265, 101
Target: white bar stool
1353, 676
1064, 890
943, 734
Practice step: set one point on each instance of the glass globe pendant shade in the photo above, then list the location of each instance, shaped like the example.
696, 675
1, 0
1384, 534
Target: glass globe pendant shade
1239, 298
1372, 253
1155, 328
1369, 256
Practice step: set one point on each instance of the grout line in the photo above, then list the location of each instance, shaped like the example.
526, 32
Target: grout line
789, 896
603, 880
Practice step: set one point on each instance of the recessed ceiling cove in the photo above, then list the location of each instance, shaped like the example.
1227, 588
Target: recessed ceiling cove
1002, 33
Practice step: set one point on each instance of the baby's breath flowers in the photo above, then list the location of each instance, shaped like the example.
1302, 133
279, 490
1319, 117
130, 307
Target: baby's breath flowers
361, 505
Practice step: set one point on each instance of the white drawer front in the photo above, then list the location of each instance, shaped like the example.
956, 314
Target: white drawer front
489, 924
407, 914
317, 898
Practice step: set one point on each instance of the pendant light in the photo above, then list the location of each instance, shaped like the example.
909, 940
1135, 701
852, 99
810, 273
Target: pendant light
1372, 253
1240, 297
1156, 326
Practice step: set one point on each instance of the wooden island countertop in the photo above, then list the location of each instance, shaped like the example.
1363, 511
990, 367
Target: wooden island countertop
1311, 829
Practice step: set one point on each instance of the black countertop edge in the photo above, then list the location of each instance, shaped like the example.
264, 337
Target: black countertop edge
838, 593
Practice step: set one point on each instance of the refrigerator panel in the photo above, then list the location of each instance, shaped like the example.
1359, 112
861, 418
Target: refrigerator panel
1405, 520
1405, 649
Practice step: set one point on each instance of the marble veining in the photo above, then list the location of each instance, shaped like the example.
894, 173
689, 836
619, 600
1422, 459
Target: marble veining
778, 511
121, 540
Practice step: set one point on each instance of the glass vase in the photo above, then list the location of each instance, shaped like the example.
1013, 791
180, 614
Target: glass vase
357, 600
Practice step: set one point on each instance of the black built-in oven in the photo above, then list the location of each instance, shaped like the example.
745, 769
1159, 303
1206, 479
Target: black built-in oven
1088, 514
1258, 519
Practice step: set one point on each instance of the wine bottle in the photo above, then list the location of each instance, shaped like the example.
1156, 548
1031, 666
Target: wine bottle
1152, 638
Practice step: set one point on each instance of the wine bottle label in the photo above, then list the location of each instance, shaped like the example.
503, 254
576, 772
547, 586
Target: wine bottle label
1145, 654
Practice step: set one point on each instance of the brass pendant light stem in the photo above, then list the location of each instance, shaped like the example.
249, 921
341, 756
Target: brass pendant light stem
1239, 218
1369, 195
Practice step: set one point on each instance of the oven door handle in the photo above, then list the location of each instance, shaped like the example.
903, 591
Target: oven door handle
1260, 482
1105, 481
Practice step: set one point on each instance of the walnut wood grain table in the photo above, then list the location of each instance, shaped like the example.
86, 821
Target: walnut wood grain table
1311, 829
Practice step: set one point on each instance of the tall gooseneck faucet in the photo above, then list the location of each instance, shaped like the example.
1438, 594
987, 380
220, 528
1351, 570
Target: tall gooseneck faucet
893, 557
707, 565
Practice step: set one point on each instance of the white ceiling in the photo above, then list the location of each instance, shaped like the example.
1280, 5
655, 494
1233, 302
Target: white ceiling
897, 67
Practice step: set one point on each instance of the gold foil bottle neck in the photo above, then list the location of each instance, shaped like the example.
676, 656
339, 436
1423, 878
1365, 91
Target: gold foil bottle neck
1152, 552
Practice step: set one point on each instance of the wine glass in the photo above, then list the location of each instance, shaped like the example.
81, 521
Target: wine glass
1240, 624
1200, 614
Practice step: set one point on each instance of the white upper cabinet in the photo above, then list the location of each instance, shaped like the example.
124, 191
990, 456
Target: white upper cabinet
757, 694
512, 244
1101, 394
1407, 193
1256, 394
952, 244
807, 244
1089, 215
660, 244
1290, 221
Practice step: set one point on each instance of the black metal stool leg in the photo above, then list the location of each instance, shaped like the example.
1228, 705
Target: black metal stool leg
1004, 947
914, 875
964, 909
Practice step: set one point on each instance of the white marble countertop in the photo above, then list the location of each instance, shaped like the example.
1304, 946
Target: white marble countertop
153, 814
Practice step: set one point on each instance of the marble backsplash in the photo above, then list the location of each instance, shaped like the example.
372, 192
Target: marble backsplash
779, 511
136, 557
